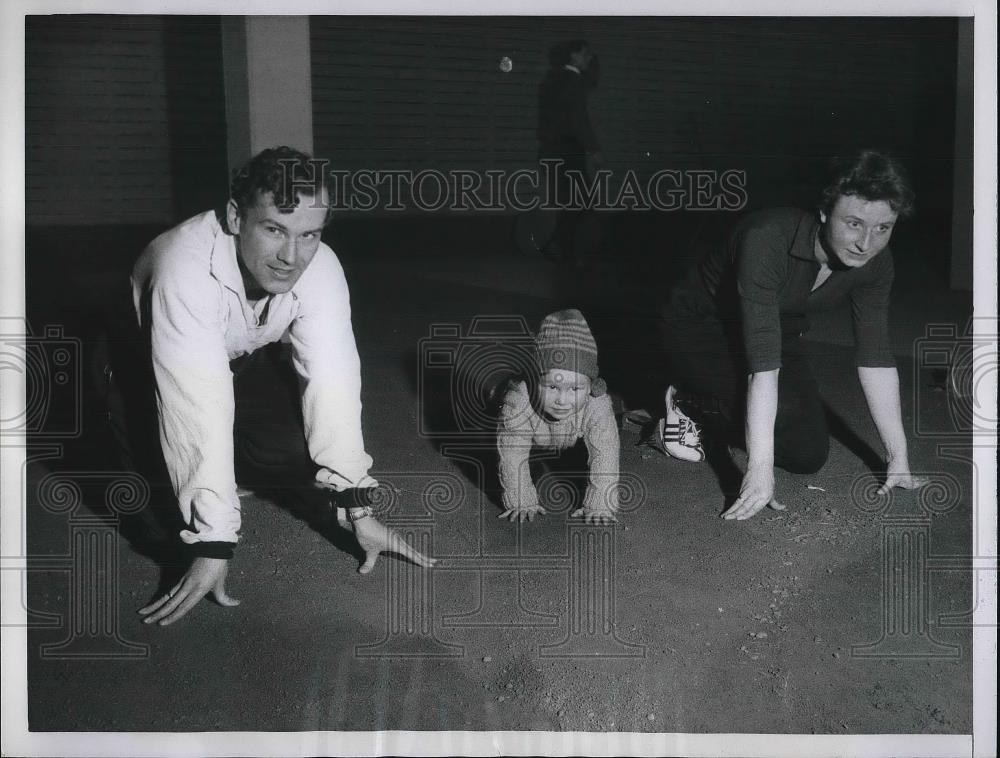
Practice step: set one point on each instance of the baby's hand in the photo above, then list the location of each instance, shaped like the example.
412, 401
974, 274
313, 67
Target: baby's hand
522, 512
596, 516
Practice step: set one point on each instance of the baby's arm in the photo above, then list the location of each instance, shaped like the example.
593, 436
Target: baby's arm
600, 501
514, 439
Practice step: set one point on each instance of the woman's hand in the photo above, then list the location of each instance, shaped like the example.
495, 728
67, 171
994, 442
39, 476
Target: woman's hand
756, 491
881, 388
898, 475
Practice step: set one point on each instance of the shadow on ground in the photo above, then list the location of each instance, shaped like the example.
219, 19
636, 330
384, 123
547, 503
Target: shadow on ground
672, 621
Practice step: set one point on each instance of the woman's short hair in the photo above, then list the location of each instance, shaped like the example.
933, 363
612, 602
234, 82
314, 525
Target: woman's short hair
285, 173
871, 175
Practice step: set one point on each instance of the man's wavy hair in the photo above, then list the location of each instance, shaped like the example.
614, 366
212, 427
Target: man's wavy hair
285, 173
871, 175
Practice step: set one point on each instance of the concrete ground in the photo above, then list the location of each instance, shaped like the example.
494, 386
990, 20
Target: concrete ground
802, 621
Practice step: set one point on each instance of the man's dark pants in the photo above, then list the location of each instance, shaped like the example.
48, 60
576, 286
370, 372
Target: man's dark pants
270, 450
559, 192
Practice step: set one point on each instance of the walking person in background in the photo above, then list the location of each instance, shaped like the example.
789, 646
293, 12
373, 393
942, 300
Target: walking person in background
567, 144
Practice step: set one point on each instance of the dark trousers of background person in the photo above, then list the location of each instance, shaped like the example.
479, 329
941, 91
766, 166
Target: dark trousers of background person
568, 241
270, 450
705, 362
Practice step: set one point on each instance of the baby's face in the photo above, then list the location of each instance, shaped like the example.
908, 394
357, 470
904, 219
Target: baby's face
562, 393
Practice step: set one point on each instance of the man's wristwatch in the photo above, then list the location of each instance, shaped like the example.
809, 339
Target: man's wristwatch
365, 501
359, 513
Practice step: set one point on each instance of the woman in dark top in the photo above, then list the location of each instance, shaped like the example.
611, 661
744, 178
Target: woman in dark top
733, 329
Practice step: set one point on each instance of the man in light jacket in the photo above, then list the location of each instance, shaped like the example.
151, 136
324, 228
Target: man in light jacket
212, 293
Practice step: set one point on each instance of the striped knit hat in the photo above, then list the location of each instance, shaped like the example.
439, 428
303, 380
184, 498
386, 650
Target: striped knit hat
564, 341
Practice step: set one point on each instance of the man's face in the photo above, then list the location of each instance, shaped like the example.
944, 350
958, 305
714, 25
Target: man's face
581, 58
857, 229
562, 393
274, 248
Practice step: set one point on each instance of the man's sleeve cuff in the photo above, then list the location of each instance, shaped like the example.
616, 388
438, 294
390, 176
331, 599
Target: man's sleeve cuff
222, 550
353, 497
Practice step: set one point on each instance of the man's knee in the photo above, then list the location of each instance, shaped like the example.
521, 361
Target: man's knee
273, 451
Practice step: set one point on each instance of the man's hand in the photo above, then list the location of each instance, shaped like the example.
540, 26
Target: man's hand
205, 575
525, 513
898, 475
597, 517
756, 491
376, 538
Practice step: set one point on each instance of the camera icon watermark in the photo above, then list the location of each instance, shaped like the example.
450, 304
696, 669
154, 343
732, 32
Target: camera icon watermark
52, 369
461, 370
953, 371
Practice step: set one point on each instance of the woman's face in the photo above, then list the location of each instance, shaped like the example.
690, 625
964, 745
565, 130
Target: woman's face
857, 229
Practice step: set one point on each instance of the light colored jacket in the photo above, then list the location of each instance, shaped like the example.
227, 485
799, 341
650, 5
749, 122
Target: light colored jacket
200, 319
520, 428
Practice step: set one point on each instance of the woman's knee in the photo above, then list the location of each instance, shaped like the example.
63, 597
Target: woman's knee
804, 457
801, 437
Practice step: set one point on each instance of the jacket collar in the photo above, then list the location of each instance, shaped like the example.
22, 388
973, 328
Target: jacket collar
224, 266
804, 242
